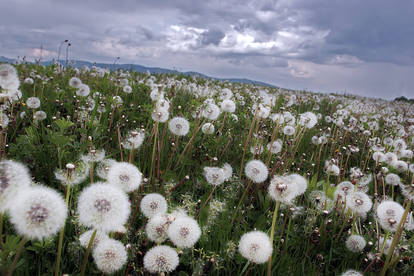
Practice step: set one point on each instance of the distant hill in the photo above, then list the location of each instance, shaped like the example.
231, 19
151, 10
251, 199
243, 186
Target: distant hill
143, 69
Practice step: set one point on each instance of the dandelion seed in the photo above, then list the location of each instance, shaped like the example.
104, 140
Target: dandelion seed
161, 259
110, 256
256, 247
38, 212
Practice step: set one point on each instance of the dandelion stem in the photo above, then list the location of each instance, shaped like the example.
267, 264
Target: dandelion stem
240, 203
62, 231
17, 256
88, 250
272, 233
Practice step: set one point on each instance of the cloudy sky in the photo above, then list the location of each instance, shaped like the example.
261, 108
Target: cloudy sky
359, 47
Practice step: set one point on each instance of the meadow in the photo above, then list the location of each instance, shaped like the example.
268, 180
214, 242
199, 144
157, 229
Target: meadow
123, 173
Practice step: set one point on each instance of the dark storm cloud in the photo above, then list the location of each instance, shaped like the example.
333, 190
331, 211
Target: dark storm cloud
319, 44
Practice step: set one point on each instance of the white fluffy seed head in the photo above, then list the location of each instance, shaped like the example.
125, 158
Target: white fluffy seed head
14, 177
184, 232
103, 207
255, 246
38, 212
160, 115
110, 256
359, 203
228, 106
124, 176
214, 175
308, 119
211, 111
355, 243
33, 102
228, 171
342, 190
392, 179
83, 90
208, 128
179, 126
134, 139
153, 204
389, 214
156, 228
352, 272
289, 130
161, 259
75, 82
256, 171
86, 237
275, 147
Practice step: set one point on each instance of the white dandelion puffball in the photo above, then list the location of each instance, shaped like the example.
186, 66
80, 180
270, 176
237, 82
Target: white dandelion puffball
256, 247
153, 204
342, 190
359, 203
14, 177
4, 120
110, 255
179, 126
392, 179
389, 215
211, 111
275, 147
38, 212
83, 90
256, 171
8, 77
75, 82
228, 106
29, 81
161, 258
352, 272
33, 102
124, 176
134, 139
156, 228
355, 243
214, 175
228, 171
207, 128
160, 115
93, 155
86, 237
103, 167
73, 174
282, 189
127, 89
184, 232
103, 207
289, 130
308, 119
39, 115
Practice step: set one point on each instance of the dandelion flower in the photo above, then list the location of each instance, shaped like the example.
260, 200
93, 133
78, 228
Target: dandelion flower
392, 179
127, 89
256, 171
124, 176
352, 272
228, 106
153, 204
214, 175
93, 156
355, 243
207, 128
256, 247
161, 259
14, 177
160, 115
156, 228
211, 112
83, 90
359, 203
179, 126
308, 119
75, 82
228, 171
184, 232
289, 130
110, 256
86, 237
134, 139
73, 174
39, 115
389, 215
103, 207
33, 102
38, 212
275, 147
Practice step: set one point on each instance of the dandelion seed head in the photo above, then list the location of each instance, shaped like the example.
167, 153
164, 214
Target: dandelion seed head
255, 246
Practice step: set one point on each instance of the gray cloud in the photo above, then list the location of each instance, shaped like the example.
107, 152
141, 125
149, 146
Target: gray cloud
323, 45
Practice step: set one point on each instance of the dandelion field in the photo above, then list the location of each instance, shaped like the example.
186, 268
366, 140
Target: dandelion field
136, 174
